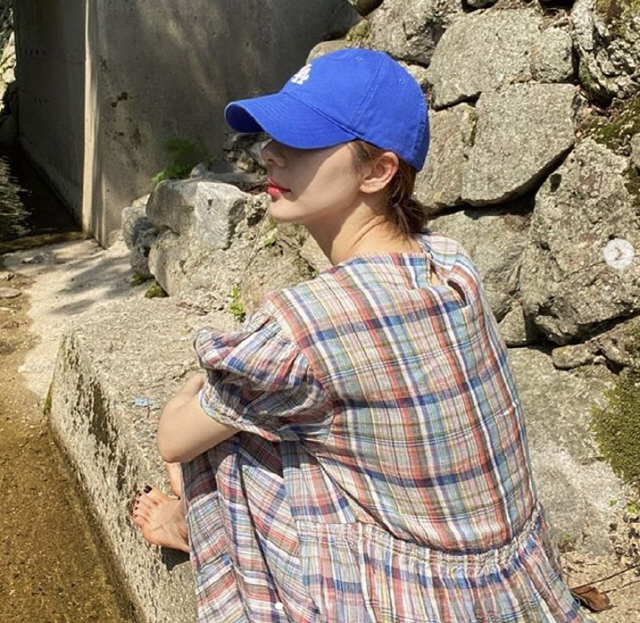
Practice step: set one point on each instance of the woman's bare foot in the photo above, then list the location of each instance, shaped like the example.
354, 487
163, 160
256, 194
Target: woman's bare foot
174, 470
162, 519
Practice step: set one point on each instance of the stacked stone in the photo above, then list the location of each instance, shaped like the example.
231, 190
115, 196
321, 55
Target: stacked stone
543, 209
546, 209
539, 205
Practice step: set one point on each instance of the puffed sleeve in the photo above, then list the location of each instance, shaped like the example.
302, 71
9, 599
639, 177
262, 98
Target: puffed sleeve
259, 381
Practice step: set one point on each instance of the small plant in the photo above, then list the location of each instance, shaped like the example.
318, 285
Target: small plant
46, 407
184, 155
566, 543
236, 306
633, 508
137, 279
155, 291
269, 240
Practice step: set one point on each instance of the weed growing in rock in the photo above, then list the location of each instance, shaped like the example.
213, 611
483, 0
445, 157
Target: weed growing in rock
617, 426
155, 291
236, 306
359, 32
46, 407
138, 279
184, 155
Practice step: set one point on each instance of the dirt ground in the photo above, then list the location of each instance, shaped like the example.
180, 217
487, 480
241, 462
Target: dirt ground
52, 568
623, 589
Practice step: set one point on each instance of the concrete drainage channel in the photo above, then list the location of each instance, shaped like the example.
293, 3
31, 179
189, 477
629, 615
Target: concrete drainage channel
54, 563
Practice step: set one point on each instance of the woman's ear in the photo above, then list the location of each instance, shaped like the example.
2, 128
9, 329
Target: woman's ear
377, 174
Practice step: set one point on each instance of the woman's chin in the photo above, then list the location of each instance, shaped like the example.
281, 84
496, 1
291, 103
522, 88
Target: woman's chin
279, 213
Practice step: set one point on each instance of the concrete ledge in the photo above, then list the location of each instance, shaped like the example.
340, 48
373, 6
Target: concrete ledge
112, 362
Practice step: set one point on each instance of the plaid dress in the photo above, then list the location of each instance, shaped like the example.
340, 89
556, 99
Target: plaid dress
381, 472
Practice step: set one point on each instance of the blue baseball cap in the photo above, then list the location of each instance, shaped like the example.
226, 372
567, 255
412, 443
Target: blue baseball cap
343, 96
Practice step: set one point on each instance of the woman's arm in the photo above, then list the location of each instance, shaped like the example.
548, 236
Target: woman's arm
185, 430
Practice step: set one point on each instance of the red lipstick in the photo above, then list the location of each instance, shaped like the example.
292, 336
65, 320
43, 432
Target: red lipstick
274, 189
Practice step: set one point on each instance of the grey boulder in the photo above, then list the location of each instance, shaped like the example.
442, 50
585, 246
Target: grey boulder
608, 48
409, 30
494, 239
579, 269
522, 131
552, 56
557, 407
439, 184
482, 51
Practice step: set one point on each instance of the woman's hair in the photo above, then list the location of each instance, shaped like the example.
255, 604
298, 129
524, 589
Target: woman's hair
401, 210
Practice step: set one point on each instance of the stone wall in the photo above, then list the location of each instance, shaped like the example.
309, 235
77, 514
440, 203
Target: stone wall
102, 85
519, 173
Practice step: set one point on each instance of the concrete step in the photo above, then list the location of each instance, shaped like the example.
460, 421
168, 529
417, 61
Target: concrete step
116, 366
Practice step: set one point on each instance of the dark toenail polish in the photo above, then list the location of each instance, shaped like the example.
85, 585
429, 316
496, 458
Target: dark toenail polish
147, 489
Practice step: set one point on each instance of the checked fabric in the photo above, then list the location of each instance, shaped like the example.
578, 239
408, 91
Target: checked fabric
381, 472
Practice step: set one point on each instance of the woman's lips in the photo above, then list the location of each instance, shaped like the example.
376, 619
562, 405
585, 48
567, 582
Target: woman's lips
275, 190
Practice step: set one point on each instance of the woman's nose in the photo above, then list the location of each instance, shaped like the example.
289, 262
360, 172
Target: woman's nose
273, 154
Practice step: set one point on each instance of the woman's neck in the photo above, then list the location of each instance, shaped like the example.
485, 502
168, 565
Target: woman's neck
359, 236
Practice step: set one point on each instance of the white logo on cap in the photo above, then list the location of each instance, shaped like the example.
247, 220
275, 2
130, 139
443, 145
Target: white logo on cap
302, 75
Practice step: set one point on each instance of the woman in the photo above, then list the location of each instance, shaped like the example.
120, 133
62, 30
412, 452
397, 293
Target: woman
356, 451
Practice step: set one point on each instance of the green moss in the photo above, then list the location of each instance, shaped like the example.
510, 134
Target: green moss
155, 291
632, 184
359, 32
46, 407
616, 129
270, 240
616, 13
236, 306
617, 426
137, 279
595, 92
270, 224
183, 155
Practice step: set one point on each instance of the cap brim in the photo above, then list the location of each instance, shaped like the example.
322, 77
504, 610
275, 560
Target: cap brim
286, 119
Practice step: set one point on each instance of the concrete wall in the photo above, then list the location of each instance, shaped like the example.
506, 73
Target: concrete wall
103, 84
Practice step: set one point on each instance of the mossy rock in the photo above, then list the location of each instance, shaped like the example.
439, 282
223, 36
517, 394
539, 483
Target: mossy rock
616, 129
617, 426
359, 32
616, 12
595, 91
155, 291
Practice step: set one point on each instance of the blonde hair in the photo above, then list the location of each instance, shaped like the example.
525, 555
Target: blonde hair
401, 209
